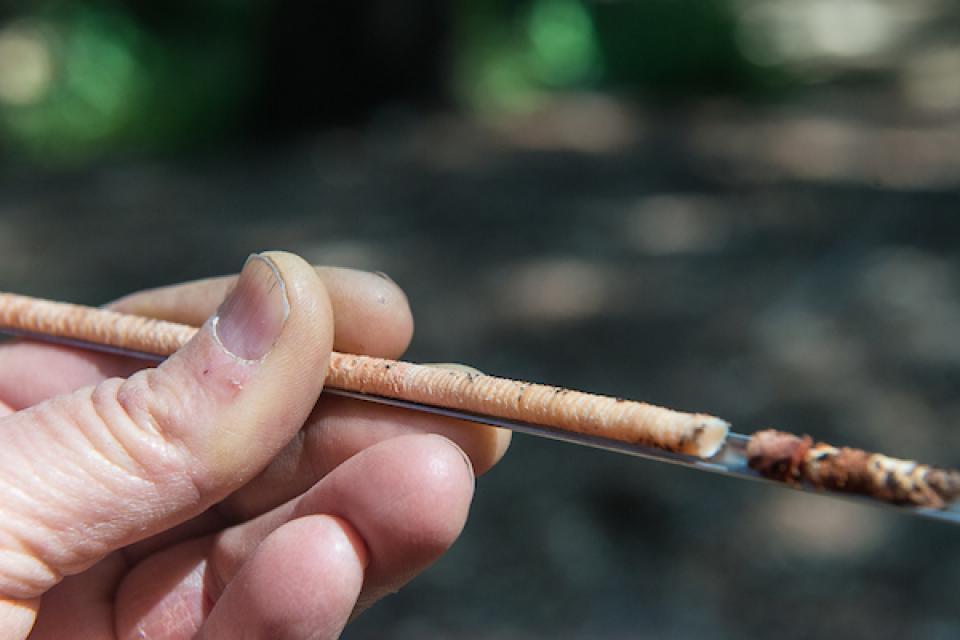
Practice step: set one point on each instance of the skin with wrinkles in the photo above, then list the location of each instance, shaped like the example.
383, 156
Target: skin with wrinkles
154, 516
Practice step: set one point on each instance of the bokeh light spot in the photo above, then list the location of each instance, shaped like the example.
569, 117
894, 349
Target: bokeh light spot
555, 290
811, 527
26, 64
931, 79
564, 48
675, 224
782, 32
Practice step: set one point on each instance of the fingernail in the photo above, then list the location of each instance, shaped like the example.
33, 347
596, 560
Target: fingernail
385, 276
250, 320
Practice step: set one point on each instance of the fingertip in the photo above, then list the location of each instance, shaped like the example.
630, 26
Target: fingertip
408, 497
450, 466
373, 313
483, 446
399, 504
321, 555
303, 581
440, 471
501, 442
275, 353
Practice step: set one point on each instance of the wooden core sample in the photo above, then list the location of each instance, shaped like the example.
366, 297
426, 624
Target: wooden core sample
554, 407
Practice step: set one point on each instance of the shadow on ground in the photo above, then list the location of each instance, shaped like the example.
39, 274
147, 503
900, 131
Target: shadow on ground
790, 268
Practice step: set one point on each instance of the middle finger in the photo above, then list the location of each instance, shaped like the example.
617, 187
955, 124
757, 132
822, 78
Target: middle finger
337, 429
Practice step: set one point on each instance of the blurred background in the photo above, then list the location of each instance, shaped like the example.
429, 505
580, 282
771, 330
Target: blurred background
745, 207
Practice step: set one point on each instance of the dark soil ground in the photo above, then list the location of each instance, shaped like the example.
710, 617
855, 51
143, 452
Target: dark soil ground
791, 267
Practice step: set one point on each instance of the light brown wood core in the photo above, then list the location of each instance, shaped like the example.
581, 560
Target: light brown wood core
555, 407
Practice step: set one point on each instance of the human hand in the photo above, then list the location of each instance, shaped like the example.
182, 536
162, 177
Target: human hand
213, 496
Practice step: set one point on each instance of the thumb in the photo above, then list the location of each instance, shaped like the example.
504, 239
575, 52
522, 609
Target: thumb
84, 474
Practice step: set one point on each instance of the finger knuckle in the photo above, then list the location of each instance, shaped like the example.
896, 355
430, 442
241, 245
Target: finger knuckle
147, 416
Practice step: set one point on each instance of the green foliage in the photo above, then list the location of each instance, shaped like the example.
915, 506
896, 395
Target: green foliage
108, 75
508, 54
672, 46
512, 54
112, 84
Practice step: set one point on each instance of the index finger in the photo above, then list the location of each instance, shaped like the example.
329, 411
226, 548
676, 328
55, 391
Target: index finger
371, 317
371, 311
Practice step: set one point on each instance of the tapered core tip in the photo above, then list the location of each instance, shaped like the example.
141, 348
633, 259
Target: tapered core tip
713, 435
